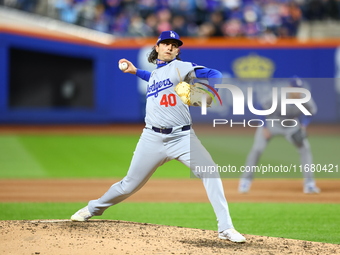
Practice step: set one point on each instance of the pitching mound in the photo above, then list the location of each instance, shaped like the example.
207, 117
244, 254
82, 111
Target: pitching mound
120, 237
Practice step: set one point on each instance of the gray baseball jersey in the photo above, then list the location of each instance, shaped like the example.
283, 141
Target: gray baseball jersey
156, 146
163, 106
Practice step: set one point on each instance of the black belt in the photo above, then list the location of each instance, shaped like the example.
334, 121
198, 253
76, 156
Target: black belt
169, 130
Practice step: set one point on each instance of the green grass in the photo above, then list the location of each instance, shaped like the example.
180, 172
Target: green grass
311, 222
101, 156
66, 156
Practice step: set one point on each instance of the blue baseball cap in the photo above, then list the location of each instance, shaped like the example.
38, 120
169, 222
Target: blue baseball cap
169, 35
296, 82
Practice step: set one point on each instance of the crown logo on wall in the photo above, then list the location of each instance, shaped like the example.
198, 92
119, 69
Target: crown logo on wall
253, 66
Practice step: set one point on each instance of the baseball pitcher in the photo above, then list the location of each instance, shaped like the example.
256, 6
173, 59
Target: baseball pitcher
168, 133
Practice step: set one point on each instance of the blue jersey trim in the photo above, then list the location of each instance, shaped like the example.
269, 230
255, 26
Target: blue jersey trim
143, 74
207, 73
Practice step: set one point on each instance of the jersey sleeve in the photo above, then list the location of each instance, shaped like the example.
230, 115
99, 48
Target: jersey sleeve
207, 73
212, 76
194, 71
143, 74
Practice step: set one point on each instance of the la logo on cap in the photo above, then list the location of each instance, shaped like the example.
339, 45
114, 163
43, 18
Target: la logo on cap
165, 35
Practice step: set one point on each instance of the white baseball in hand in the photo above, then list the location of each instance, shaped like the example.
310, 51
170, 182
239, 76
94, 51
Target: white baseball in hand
123, 66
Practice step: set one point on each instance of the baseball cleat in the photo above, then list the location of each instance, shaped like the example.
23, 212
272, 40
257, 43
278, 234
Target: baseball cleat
82, 215
232, 235
244, 185
311, 189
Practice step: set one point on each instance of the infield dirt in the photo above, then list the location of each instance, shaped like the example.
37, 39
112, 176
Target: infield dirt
117, 237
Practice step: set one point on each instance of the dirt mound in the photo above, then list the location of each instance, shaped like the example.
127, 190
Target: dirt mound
120, 237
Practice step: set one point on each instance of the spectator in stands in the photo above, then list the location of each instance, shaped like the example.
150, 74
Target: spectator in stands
137, 27
146, 7
164, 17
216, 18
119, 25
271, 17
151, 25
207, 29
180, 25
101, 21
185, 9
251, 18
112, 7
291, 17
233, 28
207, 18
87, 13
68, 10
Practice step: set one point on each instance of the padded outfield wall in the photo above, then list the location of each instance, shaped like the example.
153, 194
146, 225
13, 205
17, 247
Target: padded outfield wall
50, 78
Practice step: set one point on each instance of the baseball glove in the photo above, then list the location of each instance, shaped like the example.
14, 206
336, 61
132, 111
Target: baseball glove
192, 94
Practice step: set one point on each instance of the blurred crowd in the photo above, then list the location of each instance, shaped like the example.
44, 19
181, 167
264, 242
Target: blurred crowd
197, 18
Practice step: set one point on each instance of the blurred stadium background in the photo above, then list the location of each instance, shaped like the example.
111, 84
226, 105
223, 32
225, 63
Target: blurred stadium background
58, 58
199, 18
